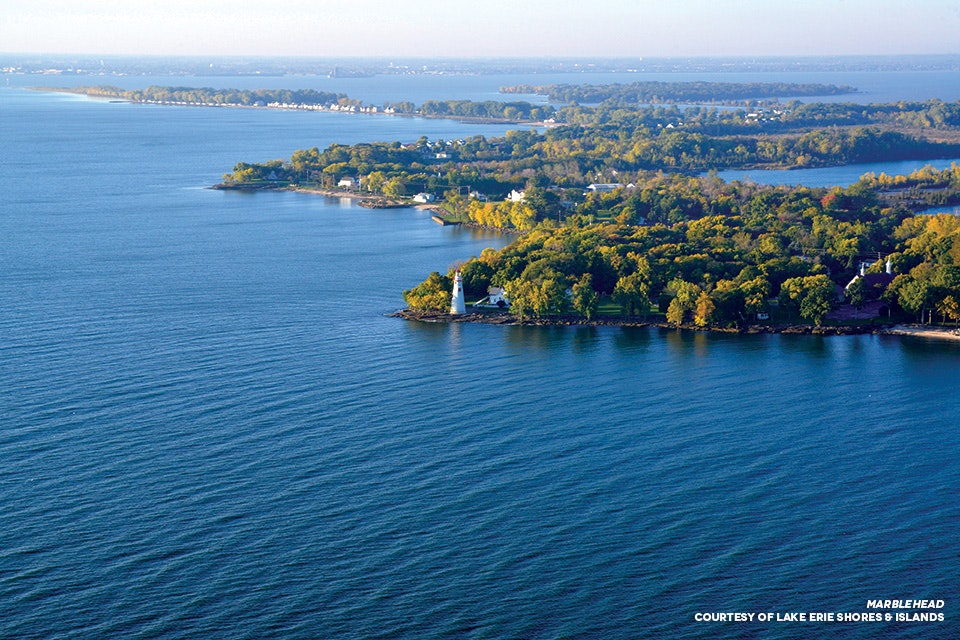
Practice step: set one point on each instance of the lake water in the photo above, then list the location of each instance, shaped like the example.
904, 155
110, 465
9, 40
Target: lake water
832, 176
212, 430
872, 87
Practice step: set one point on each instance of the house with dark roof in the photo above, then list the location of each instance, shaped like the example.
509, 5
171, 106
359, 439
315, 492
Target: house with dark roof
874, 284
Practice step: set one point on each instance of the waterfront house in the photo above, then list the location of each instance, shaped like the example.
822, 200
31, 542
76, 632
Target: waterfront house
874, 283
496, 298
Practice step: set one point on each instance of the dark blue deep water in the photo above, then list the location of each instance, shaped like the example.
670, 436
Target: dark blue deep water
211, 430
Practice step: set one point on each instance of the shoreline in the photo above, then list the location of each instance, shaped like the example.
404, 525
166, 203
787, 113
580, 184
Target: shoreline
363, 110
368, 201
374, 201
480, 317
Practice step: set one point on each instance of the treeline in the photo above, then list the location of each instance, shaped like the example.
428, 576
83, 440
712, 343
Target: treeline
769, 118
481, 110
206, 95
625, 116
654, 92
572, 157
930, 114
514, 111
725, 254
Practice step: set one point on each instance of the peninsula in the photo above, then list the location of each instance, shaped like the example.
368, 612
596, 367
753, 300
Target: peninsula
614, 221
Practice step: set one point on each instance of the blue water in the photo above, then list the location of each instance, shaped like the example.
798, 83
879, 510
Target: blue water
832, 176
212, 430
872, 87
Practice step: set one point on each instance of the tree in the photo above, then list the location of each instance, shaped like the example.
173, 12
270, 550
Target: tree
585, 300
632, 293
812, 295
950, 308
551, 296
685, 300
304, 159
755, 292
703, 314
394, 188
914, 296
857, 293
676, 312
535, 297
433, 294
522, 297
375, 181
522, 216
818, 298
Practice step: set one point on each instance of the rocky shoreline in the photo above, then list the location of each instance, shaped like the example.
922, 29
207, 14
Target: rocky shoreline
574, 321
367, 200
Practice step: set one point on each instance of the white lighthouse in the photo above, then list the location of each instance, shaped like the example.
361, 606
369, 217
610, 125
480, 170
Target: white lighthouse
457, 305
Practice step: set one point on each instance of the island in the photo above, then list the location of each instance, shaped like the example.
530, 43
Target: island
658, 92
620, 220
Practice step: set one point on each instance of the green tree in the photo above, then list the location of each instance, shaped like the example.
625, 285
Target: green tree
818, 300
394, 188
375, 181
755, 292
585, 299
812, 296
433, 294
856, 294
950, 308
685, 300
535, 298
676, 312
632, 293
913, 296
303, 160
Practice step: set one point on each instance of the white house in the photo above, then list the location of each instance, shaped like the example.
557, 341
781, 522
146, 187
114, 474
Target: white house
496, 298
348, 183
424, 198
604, 188
516, 196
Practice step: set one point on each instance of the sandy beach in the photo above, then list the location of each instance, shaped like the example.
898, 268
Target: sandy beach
937, 333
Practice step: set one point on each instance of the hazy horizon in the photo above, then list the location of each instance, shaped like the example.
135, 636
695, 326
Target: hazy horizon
496, 29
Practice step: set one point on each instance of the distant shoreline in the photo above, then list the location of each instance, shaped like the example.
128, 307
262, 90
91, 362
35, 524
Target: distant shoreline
367, 200
363, 110
476, 317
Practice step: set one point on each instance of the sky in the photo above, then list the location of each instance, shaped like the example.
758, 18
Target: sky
480, 28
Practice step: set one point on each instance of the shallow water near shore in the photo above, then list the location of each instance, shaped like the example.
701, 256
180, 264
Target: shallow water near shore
212, 428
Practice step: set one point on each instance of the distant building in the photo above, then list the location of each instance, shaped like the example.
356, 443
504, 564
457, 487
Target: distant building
516, 196
424, 198
604, 188
348, 183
